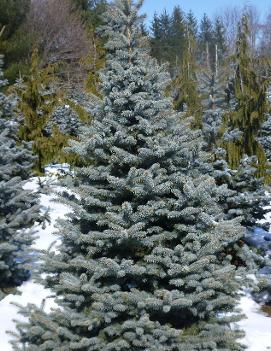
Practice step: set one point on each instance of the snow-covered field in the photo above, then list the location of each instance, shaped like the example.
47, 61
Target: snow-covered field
257, 325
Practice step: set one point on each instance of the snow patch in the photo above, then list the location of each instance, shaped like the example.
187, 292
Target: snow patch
257, 326
31, 292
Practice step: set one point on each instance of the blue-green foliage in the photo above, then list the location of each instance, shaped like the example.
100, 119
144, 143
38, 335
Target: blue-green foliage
265, 137
144, 262
247, 195
249, 198
66, 119
18, 207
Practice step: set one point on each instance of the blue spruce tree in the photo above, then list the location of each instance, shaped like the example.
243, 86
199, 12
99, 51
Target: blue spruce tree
247, 192
143, 263
18, 207
265, 137
66, 120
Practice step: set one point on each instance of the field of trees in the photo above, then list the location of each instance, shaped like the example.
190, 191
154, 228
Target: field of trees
164, 128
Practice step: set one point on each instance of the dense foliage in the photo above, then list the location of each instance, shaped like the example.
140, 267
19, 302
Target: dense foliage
18, 207
169, 151
250, 93
143, 262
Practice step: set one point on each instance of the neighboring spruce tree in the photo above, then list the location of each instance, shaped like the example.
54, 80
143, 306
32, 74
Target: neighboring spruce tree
143, 262
192, 24
247, 193
206, 42
219, 42
156, 39
168, 38
66, 120
186, 96
247, 196
212, 87
265, 138
18, 207
177, 38
65, 123
250, 92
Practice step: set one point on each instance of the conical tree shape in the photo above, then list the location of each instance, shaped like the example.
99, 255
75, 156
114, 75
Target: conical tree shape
35, 106
251, 106
142, 263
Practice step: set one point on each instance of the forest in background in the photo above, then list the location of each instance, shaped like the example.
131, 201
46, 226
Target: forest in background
53, 52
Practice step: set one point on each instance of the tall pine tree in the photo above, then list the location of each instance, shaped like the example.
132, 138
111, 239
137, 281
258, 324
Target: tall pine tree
206, 41
143, 263
36, 102
186, 96
220, 43
251, 106
192, 24
177, 37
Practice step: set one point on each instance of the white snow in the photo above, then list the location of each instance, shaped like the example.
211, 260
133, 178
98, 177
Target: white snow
56, 169
257, 325
31, 292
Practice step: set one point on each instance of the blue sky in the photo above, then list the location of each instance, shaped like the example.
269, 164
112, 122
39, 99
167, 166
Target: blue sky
211, 7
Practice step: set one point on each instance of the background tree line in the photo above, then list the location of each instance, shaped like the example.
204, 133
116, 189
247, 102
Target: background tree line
222, 65
216, 64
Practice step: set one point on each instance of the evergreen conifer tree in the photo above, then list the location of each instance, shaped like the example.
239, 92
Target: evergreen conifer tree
206, 41
64, 124
18, 207
168, 38
166, 35
247, 193
36, 102
43, 122
249, 198
186, 96
143, 263
177, 41
212, 87
66, 120
220, 42
192, 24
156, 37
251, 105
265, 137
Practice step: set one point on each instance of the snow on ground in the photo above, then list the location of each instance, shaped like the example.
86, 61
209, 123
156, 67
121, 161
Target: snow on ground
257, 325
31, 292
45, 236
